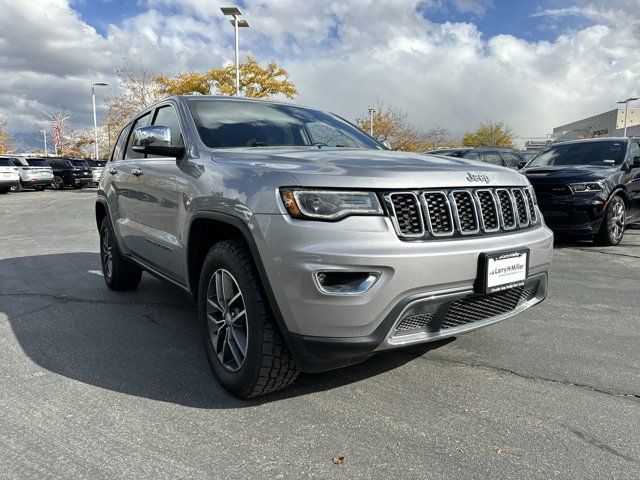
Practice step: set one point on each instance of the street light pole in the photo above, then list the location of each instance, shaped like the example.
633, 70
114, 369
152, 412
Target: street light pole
372, 111
626, 111
95, 120
237, 23
46, 152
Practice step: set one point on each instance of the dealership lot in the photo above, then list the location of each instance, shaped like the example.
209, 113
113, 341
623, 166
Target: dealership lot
103, 384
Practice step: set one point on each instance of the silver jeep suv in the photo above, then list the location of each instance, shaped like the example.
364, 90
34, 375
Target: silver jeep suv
306, 243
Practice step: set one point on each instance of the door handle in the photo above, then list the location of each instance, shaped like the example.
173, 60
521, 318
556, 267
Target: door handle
136, 172
113, 171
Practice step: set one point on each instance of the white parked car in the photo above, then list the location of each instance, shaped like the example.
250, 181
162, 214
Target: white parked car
9, 177
97, 167
34, 172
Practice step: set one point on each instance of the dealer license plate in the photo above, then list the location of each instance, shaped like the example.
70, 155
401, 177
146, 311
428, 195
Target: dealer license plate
500, 271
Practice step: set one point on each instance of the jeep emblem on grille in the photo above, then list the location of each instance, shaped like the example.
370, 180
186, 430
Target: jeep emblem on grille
478, 177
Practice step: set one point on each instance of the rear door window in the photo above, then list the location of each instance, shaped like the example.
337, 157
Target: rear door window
118, 149
493, 158
142, 121
5, 162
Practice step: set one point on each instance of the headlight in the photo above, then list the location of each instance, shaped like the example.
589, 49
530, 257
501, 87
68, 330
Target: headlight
586, 187
329, 204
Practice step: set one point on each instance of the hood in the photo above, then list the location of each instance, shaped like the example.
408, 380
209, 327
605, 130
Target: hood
371, 169
568, 174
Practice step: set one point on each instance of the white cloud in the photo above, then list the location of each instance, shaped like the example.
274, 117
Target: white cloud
342, 56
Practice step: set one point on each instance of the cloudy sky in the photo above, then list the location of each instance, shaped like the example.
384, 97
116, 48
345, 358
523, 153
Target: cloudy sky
450, 63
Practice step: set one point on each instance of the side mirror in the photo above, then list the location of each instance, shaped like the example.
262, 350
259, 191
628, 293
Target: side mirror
155, 140
522, 163
635, 163
385, 142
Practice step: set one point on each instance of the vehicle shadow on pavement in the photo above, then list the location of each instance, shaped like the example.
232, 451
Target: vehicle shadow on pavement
631, 240
143, 343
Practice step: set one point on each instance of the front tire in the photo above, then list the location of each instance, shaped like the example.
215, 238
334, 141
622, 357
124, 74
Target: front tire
57, 184
118, 273
245, 349
612, 229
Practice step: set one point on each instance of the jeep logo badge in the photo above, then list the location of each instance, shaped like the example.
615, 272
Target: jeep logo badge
478, 177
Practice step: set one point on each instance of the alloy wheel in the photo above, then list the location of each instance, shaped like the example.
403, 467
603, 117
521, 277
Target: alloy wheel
57, 184
227, 320
617, 220
107, 254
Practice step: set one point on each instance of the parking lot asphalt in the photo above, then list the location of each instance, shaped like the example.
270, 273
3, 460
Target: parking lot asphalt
99, 384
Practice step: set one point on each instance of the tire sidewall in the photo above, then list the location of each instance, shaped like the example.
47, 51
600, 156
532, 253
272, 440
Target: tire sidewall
241, 381
615, 200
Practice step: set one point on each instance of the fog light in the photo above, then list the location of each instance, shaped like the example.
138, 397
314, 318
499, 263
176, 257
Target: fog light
345, 283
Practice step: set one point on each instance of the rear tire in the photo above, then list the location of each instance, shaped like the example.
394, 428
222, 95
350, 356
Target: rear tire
118, 273
17, 188
246, 351
613, 224
4, 190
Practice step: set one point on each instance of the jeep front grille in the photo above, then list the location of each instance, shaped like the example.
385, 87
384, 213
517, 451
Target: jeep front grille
460, 212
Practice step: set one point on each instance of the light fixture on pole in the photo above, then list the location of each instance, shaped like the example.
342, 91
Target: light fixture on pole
95, 121
372, 112
235, 12
626, 111
46, 152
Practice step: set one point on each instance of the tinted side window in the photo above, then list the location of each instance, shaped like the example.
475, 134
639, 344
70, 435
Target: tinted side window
167, 117
512, 159
118, 149
143, 121
634, 150
472, 156
493, 158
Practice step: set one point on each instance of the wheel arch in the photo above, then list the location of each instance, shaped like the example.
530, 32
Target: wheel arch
207, 228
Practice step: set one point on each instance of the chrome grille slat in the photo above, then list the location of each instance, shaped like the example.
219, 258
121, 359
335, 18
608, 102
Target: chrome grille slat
438, 214
407, 214
522, 208
422, 214
464, 212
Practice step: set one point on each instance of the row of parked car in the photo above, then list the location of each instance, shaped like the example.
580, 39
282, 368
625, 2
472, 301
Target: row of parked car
587, 189
38, 173
501, 156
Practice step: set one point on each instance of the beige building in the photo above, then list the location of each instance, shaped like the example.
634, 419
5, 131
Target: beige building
607, 124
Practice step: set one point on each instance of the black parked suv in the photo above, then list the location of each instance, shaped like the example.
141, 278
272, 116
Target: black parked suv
70, 172
502, 156
589, 189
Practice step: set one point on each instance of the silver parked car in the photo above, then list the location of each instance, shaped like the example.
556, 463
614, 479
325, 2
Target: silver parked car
34, 172
307, 244
9, 177
97, 167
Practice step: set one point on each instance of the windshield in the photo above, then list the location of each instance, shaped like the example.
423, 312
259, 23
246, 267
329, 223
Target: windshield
582, 153
5, 162
35, 162
79, 163
230, 123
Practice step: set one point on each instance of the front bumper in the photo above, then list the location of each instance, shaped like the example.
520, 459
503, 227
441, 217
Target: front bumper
82, 180
326, 331
575, 215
